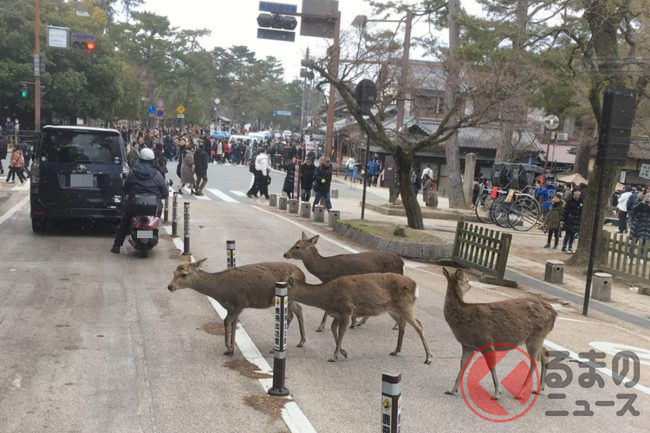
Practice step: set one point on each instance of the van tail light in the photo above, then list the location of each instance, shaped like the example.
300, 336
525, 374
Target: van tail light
35, 172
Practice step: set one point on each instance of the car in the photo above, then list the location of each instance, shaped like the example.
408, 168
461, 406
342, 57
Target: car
77, 173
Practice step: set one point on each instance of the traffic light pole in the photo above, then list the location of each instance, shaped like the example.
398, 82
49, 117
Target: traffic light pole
336, 55
37, 62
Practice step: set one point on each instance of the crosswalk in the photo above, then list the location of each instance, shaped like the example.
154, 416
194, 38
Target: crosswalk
15, 187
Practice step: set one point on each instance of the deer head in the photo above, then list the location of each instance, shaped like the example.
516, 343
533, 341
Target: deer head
457, 280
185, 275
300, 248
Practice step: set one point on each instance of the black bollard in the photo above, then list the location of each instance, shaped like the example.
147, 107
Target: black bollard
186, 231
391, 403
166, 211
280, 347
175, 216
230, 254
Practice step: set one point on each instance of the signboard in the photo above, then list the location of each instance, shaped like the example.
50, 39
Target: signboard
644, 171
57, 37
281, 113
152, 109
276, 35
160, 114
37, 65
318, 27
278, 8
180, 110
623, 176
180, 116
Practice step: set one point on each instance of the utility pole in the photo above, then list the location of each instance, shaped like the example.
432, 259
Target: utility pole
302, 106
334, 70
404, 74
37, 66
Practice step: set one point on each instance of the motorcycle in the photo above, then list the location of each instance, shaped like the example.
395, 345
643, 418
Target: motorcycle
145, 222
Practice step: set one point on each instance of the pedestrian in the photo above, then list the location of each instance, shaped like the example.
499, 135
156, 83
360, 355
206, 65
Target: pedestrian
290, 178
187, 170
552, 220
322, 184
201, 161
27, 156
160, 162
3, 153
571, 219
349, 166
262, 170
226, 151
622, 209
132, 156
16, 166
416, 181
372, 170
307, 171
640, 228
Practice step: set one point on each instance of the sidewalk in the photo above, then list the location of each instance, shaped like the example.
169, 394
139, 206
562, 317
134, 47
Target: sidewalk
526, 262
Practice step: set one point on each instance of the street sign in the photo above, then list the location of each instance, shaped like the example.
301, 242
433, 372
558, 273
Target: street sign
152, 109
160, 114
276, 35
37, 65
57, 37
278, 8
180, 116
180, 109
281, 113
623, 176
644, 171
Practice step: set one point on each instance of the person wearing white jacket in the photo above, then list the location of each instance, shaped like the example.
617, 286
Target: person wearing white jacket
261, 173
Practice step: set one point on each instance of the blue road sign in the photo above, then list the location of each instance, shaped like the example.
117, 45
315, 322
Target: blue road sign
281, 113
278, 8
152, 109
160, 114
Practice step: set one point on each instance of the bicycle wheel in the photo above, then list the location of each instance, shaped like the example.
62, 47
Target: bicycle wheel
500, 211
483, 206
524, 213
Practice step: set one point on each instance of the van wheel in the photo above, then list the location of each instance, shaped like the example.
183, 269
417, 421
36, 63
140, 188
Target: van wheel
39, 224
144, 252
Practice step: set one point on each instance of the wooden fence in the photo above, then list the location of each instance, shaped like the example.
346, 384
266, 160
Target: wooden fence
621, 256
483, 249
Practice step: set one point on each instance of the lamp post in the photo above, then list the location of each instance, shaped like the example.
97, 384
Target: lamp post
217, 122
142, 101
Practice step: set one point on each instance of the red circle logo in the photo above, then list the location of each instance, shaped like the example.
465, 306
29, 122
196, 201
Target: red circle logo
514, 378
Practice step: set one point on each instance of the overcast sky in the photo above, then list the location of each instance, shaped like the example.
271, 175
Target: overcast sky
234, 23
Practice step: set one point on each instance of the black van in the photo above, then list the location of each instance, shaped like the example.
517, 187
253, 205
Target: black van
77, 173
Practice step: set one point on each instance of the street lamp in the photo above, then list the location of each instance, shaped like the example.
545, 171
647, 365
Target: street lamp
216, 113
142, 101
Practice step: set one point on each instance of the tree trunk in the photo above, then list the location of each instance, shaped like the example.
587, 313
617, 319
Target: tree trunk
583, 155
403, 163
504, 150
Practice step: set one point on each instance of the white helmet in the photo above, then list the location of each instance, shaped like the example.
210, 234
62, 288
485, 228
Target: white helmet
146, 154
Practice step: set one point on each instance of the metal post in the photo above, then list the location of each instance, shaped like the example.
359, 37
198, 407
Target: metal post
296, 181
230, 254
404, 78
391, 403
175, 215
365, 180
166, 211
37, 62
186, 231
280, 346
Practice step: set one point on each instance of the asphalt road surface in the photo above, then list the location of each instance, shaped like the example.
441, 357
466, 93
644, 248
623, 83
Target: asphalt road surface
94, 342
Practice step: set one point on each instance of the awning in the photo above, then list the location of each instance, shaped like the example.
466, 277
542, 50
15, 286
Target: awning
575, 179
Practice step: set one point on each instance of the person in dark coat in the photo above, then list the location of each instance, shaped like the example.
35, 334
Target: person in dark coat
290, 178
3, 153
201, 161
307, 171
143, 179
323, 183
552, 220
640, 227
571, 219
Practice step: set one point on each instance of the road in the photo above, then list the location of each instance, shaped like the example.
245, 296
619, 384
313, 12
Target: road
93, 341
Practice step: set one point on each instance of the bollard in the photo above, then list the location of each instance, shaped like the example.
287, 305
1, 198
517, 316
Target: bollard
554, 272
175, 215
391, 403
186, 229
273, 200
334, 217
601, 287
319, 214
230, 254
293, 205
305, 209
166, 211
280, 347
334, 193
282, 203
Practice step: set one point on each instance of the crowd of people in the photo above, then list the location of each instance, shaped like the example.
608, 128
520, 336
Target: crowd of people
20, 152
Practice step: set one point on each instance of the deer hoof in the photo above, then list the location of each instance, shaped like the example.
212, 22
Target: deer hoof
319, 330
496, 396
394, 353
229, 352
450, 392
344, 353
299, 344
331, 360
427, 361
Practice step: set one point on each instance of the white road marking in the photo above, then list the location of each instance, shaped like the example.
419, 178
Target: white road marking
293, 417
239, 193
614, 348
571, 320
223, 196
201, 197
13, 210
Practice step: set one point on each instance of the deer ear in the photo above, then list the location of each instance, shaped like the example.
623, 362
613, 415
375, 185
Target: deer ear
314, 239
198, 264
290, 281
304, 236
446, 273
459, 274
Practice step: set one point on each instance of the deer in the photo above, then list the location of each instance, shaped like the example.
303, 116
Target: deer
512, 322
248, 286
327, 269
362, 295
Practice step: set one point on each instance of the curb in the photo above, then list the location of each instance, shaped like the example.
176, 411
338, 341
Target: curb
426, 213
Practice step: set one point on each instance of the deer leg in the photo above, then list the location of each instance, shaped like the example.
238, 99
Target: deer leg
543, 360
343, 325
353, 322
363, 321
418, 327
322, 323
226, 333
490, 358
535, 350
296, 309
335, 334
400, 336
467, 353
230, 327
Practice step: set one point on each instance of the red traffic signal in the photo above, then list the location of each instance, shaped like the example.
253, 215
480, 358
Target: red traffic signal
90, 46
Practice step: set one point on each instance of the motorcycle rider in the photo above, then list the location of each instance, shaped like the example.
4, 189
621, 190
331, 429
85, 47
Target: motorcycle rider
144, 178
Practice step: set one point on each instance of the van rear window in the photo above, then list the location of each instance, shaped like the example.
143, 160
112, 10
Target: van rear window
81, 146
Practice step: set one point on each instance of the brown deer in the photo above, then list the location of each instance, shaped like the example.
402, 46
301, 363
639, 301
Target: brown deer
362, 295
249, 286
328, 268
513, 322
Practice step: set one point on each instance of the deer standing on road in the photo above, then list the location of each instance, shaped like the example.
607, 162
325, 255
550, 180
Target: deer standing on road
514, 322
327, 269
363, 295
249, 286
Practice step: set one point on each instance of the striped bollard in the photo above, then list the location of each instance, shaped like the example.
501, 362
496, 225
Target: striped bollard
166, 211
175, 216
230, 254
391, 403
280, 346
186, 227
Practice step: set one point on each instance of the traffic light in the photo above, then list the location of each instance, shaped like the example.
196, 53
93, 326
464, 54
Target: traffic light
90, 46
284, 25
84, 42
23, 90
